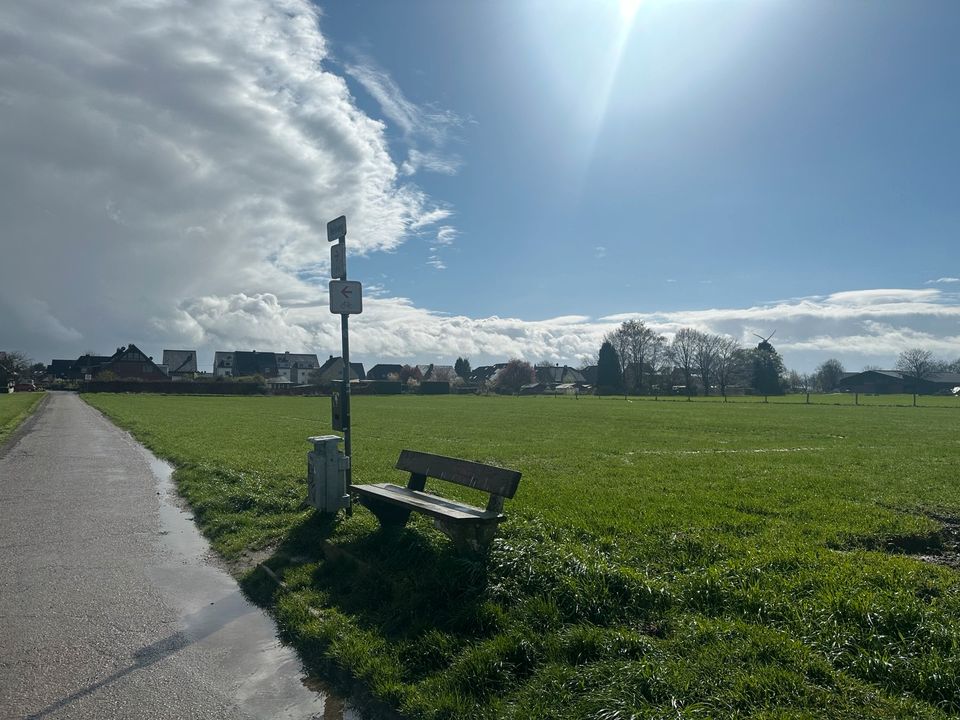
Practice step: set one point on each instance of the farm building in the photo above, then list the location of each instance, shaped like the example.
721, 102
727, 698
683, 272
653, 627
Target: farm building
883, 382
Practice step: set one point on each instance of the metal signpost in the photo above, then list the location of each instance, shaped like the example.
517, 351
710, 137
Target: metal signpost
345, 300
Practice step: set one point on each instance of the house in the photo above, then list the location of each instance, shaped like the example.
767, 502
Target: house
223, 364
589, 374
382, 371
296, 367
60, 369
485, 373
555, 375
130, 362
332, 371
247, 364
436, 373
180, 363
882, 382
537, 388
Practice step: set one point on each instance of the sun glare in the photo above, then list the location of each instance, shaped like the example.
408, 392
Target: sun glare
628, 8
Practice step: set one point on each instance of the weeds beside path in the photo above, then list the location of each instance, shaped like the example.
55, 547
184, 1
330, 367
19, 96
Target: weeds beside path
660, 559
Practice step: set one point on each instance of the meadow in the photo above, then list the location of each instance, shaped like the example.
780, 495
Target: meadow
661, 558
14, 409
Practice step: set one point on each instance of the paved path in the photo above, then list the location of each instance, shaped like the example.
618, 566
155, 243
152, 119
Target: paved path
109, 606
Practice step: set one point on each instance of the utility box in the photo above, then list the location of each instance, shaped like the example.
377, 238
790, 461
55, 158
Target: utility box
327, 474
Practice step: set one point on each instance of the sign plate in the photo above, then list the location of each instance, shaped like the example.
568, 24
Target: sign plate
338, 261
337, 229
345, 298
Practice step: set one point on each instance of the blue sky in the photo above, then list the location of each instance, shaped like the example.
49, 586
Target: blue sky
519, 177
745, 151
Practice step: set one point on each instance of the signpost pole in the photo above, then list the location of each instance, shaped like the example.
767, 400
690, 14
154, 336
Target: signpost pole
345, 393
345, 299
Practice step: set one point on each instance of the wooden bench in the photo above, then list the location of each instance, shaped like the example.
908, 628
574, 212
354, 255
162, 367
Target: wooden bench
468, 526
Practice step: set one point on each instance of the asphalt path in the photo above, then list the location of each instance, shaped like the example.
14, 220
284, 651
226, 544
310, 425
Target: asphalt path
111, 605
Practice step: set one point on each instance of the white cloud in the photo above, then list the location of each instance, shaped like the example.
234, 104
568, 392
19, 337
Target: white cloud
943, 280
599, 251
155, 153
446, 235
421, 126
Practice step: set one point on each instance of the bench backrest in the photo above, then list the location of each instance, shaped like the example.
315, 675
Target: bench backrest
489, 478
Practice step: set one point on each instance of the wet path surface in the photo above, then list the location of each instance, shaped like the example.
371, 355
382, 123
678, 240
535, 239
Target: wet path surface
110, 604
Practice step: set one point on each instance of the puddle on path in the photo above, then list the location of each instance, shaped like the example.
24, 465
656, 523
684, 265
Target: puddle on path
268, 677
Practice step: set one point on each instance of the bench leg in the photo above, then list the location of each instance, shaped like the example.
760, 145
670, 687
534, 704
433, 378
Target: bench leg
472, 537
390, 516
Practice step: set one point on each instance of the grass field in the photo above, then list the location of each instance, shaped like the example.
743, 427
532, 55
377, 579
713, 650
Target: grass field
14, 409
661, 559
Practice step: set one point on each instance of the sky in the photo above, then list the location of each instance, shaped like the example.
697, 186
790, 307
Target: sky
518, 177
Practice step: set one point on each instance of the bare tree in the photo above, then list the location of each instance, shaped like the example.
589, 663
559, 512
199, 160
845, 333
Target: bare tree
659, 358
705, 357
916, 364
683, 350
14, 366
727, 363
828, 375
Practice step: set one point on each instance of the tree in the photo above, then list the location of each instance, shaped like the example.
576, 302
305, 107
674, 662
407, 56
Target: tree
443, 374
705, 357
916, 364
14, 366
514, 376
828, 375
462, 367
726, 365
634, 343
608, 370
954, 366
659, 360
408, 372
767, 370
683, 350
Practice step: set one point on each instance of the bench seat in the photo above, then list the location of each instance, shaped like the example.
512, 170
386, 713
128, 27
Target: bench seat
427, 504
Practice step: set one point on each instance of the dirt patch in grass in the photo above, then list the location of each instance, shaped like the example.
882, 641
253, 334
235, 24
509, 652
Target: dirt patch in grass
948, 553
941, 547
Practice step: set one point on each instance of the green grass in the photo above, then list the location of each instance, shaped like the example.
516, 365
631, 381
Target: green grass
661, 559
14, 409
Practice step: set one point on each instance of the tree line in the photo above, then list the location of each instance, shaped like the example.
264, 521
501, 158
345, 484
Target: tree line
635, 359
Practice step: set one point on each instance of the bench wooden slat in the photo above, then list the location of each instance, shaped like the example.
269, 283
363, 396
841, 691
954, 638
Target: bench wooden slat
426, 503
488, 478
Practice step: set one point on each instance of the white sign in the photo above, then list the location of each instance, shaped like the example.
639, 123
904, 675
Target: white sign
338, 261
345, 297
337, 229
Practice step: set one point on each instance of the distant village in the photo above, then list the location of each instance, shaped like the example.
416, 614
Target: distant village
290, 372
130, 369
